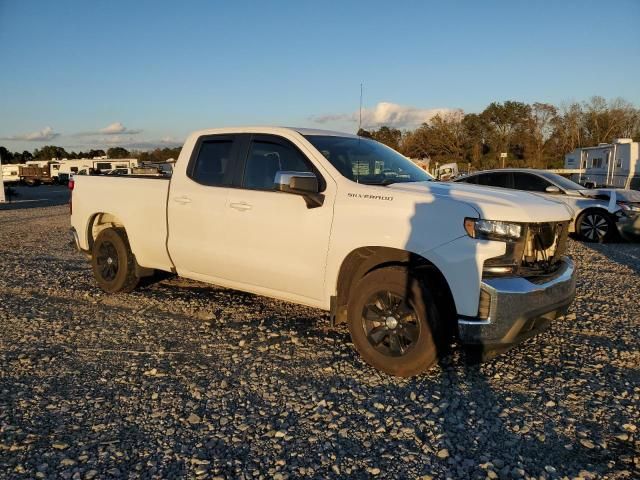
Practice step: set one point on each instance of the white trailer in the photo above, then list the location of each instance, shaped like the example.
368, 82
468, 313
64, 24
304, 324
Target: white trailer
608, 164
11, 173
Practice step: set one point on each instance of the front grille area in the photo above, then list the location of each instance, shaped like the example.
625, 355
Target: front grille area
536, 255
544, 245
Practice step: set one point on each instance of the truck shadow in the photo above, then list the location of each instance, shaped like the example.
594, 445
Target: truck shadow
507, 438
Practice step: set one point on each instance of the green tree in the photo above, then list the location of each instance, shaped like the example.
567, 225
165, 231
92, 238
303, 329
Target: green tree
505, 121
48, 152
539, 130
95, 153
389, 136
158, 155
118, 152
6, 156
477, 146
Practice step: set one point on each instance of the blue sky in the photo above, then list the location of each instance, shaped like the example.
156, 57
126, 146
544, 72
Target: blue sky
144, 73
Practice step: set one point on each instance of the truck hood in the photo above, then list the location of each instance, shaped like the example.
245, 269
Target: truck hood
493, 203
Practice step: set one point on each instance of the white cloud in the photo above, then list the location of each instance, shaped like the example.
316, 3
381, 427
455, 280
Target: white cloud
118, 128
43, 135
387, 113
115, 128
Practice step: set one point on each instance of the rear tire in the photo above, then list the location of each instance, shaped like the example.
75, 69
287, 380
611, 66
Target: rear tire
594, 226
392, 318
112, 261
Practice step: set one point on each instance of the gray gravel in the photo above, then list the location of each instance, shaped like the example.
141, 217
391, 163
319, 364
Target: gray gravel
183, 379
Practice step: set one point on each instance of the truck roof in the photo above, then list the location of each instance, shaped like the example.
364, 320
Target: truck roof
273, 130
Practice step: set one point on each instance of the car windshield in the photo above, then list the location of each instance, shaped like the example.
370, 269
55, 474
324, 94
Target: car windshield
562, 182
367, 161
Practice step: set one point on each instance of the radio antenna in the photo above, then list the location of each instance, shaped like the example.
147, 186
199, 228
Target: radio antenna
360, 119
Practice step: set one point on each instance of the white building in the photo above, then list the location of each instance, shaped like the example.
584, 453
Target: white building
612, 164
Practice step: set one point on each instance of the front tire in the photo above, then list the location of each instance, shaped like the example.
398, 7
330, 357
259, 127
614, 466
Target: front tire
594, 226
112, 261
392, 318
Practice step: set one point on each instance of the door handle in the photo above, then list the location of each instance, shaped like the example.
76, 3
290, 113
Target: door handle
183, 199
240, 206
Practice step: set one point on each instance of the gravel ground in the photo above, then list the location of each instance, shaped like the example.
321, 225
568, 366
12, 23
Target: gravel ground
183, 379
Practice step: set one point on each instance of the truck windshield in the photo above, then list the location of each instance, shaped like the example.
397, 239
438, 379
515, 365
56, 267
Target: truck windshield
367, 161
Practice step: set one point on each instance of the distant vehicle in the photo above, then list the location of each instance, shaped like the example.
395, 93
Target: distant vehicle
34, 175
72, 166
138, 171
446, 172
341, 223
594, 218
118, 171
63, 178
629, 202
11, 173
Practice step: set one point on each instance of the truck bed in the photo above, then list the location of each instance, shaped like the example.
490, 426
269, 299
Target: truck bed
138, 202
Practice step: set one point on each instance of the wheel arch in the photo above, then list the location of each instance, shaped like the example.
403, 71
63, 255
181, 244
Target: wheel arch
98, 222
103, 220
363, 260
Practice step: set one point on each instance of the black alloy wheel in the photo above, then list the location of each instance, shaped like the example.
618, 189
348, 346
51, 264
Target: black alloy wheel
113, 262
393, 320
391, 326
107, 260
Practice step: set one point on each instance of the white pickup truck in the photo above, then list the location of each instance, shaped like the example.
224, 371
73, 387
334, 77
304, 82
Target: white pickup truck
344, 224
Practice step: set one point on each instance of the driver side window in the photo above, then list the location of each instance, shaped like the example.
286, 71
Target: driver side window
265, 159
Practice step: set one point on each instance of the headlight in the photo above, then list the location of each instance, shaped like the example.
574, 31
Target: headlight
629, 207
492, 229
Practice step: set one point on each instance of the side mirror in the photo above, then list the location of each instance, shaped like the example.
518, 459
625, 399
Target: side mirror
552, 189
300, 183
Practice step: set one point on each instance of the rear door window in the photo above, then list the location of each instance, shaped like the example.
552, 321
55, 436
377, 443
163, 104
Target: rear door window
529, 182
473, 179
214, 164
495, 179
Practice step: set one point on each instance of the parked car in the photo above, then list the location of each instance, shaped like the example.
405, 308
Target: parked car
629, 202
594, 218
341, 223
63, 178
447, 172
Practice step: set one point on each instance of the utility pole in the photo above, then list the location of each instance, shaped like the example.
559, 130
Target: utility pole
2, 199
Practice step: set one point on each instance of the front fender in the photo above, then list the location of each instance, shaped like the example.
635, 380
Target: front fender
460, 262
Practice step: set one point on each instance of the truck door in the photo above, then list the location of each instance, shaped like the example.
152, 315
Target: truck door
197, 207
276, 242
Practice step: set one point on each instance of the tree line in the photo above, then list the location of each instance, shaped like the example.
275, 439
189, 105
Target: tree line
534, 135
51, 151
